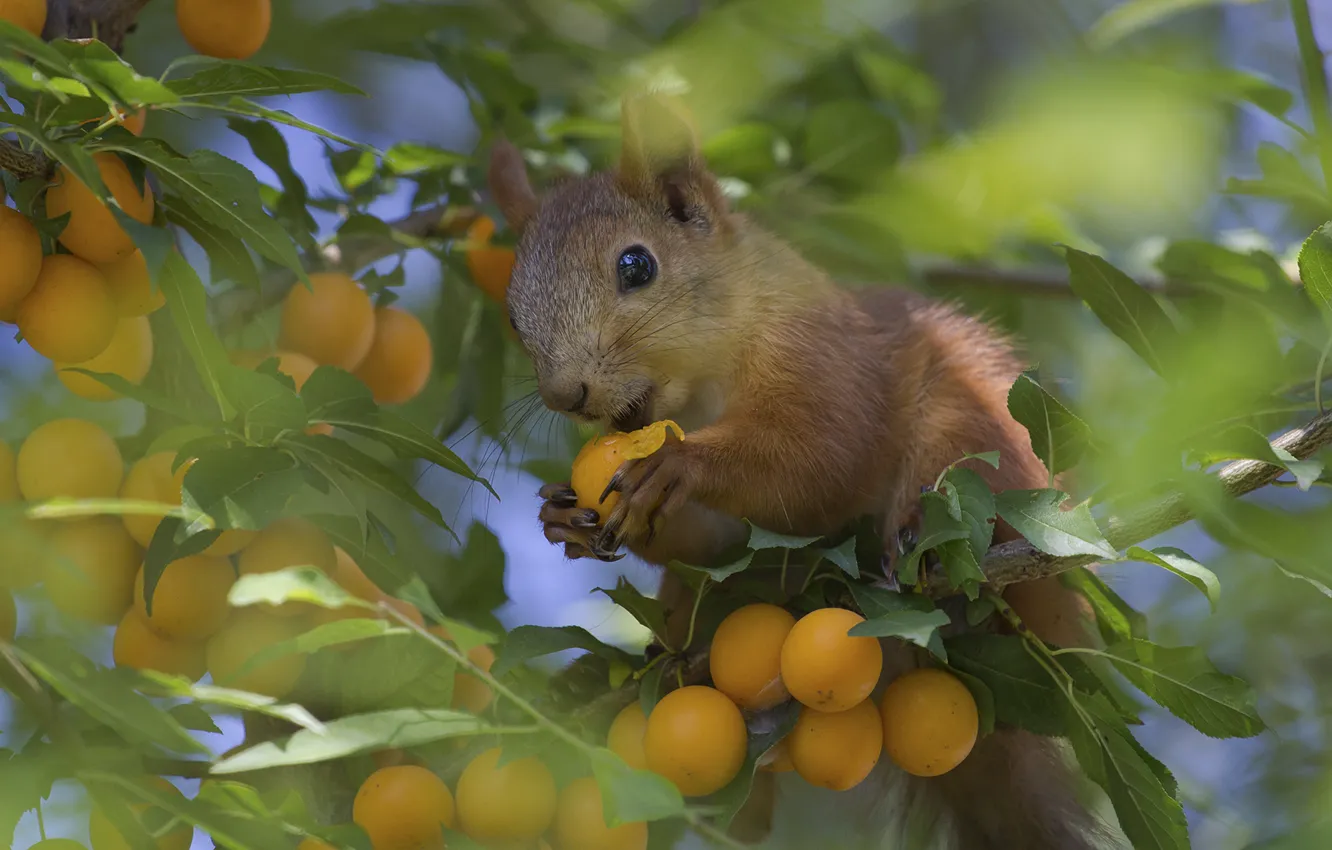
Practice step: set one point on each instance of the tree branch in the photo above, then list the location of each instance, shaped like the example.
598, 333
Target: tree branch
1018, 561
23, 164
106, 20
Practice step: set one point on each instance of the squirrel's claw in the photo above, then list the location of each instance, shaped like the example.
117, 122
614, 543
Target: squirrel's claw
561, 494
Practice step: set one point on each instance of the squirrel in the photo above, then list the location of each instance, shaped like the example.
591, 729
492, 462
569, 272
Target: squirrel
640, 296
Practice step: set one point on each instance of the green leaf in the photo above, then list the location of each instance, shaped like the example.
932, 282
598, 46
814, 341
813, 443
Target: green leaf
961, 567
271, 149
1123, 306
175, 686
975, 503
1183, 565
371, 553
25, 778
877, 604
241, 106
476, 578
98, 64
762, 539
337, 458
301, 583
243, 487
228, 258
646, 610
171, 541
360, 733
406, 158
715, 573
1315, 263
1115, 618
918, 627
1185, 683
188, 305
633, 796
1024, 694
1058, 436
527, 642
1134, 15
103, 696
266, 406
1245, 442
1038, 516
984, 698
147, 396
191, 715
766, 730
225, 78
938, 525
844, 556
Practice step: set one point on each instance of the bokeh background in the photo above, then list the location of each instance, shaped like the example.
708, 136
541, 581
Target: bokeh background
893, 142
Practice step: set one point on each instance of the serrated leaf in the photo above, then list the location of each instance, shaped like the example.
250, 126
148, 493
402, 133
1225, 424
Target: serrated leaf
176, 686
338, 458
961, 567
1058, 436
241, 106
193, 717
360, 733
938, 525
1123, 306
1183, 565
878, 604
266, 406
1247, 443
224, 78
646, 610
918, 627
406, 158
760, 538
1315, 264
1115, 618
715, 573
975, 502
188, 305
96, 63
1038, 516
370, 553
300, 583
844, 556
528, 642
633, 796
1183, 681
145, 395
1024, 694
242, 487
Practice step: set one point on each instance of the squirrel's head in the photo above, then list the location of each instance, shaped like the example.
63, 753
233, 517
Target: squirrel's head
617, 291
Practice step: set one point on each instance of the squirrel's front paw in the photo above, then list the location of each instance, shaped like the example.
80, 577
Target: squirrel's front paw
565, 523
651, 489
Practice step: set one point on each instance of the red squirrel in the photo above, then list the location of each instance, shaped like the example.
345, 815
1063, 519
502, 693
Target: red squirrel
640, 296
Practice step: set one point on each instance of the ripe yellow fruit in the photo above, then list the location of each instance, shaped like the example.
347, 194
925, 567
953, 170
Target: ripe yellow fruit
23, 551
826, 669
225, 29
746, 656
8, 616
73, 458
150, 479
136, 646
625, 737
349, 576
105, 836
9, 490
21, 246
296, 366
246, 633
598, 460
404, 807
69, 315
332, 322
129, 355
510, 802
930, 722
470, 693
93, 233
397, 366
289, 542
836, 750
29, 14
190, 600
778, 759
696, 738
580, 821
90, 569
491, 266
135, 121
312, 843
131, 285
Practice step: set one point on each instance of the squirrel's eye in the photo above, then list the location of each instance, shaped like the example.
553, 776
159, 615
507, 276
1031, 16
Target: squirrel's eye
637, 267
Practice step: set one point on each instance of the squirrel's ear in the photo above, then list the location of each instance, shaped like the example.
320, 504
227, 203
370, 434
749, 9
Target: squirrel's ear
659, 158
509, 184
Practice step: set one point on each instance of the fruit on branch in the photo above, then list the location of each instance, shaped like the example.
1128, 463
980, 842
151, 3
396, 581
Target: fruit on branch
137, 647
247, 632
696, 738
836, 750
491, 266
225, 29
93, 233
131, 285
746, 656
68, 316
580, 821
625, 737
930, 722
294, 365
403, 807
103, 834
824, 667
397, 366
72, 458
332, 322
190, 599
289, 542
89, 571
129, 355
510, 802
151, 479
28, 14
598, 460
21, 246
8, 616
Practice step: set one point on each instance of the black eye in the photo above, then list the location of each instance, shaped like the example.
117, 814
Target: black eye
637, 267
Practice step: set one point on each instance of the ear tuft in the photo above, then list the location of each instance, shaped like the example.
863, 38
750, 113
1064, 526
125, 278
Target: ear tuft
513, 193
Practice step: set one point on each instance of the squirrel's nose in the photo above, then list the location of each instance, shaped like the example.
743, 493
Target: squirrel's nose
568, 398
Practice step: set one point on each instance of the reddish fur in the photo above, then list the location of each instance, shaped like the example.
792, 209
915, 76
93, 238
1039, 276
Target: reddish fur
833, 405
